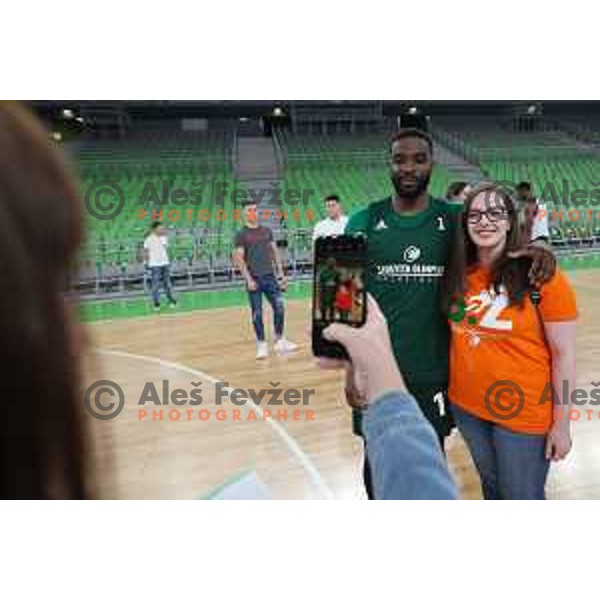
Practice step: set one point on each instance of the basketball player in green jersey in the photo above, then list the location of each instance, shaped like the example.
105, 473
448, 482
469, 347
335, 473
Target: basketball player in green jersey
410, 239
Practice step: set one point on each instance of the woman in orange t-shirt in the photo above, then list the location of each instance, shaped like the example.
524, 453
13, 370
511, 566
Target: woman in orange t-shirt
510, 345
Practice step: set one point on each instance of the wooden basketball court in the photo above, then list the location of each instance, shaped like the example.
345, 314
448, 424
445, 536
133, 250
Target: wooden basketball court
190, 455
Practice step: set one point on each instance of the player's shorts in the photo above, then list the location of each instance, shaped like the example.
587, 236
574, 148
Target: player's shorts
433, 401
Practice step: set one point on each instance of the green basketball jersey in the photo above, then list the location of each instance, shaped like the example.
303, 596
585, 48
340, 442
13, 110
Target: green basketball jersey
328, 278
407, 256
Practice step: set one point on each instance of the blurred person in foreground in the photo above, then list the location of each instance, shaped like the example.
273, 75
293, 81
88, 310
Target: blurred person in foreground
406, 461
42, 453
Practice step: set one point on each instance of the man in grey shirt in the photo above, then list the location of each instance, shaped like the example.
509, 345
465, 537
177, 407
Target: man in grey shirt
257, 257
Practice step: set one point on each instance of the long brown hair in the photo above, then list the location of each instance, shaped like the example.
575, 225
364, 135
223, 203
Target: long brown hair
506, 271
42, 452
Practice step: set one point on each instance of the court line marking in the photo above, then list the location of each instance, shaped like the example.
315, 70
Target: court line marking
293, 446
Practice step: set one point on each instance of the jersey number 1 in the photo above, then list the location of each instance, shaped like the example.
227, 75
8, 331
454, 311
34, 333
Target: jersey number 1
439, 400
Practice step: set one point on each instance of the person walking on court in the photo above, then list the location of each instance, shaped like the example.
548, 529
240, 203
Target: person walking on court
157, 259
257, 257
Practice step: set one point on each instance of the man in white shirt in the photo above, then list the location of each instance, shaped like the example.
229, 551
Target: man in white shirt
157, 259
535, 216
540, 229
335, 222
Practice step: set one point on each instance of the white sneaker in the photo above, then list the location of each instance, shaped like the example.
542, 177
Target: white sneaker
283, 346
262, 350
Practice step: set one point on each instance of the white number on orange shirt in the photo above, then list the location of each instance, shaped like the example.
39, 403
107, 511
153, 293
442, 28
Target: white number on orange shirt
490, 318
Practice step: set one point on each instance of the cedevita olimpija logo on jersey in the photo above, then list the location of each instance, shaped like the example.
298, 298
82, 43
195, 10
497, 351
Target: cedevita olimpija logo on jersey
411, 254
409, 267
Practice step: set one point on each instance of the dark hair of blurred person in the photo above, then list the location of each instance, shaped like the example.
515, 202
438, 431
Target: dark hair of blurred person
41, 429
456, 191
524, 190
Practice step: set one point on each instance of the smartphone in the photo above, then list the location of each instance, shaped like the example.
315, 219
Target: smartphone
339, 293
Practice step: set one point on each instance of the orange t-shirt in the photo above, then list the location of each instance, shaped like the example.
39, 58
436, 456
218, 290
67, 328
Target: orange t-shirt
343, 298
497, 342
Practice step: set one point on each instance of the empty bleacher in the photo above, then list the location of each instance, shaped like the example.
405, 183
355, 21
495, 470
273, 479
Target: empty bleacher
146, 168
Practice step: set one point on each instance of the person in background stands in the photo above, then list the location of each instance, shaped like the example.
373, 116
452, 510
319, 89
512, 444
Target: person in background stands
335, 223
255, 254
456, 192
534, 220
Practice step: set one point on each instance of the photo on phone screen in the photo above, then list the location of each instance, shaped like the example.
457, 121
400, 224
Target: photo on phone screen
339, 294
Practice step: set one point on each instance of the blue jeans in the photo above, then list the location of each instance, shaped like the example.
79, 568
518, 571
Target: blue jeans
267, 285
511, 466
161, 274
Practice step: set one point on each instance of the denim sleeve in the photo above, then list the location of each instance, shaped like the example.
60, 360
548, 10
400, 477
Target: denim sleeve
406, 460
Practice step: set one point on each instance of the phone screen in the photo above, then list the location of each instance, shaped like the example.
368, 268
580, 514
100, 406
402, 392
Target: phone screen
339, 294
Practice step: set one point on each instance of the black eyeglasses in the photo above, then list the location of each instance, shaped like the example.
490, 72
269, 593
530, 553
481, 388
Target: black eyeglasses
493, 215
